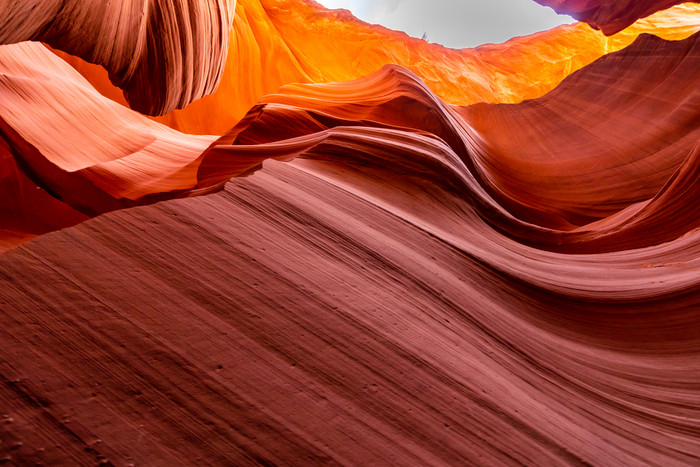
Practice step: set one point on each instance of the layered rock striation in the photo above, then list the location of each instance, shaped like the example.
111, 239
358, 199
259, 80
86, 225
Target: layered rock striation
360, 272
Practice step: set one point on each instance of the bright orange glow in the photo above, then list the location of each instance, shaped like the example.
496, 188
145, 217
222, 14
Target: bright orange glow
277, 42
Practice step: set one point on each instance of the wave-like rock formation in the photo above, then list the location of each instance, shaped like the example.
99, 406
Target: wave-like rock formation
278, 42
164, 54
327, 313
355, 306
610, 16
68, 153
399, 279
580, 186
582, 182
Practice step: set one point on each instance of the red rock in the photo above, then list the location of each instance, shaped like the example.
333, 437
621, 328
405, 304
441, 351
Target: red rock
406, 281
553, 192
359, 315
610, 16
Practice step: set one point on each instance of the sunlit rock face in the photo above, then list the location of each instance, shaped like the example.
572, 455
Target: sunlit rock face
404, 255
122, 159
90, 153
164, 54
277, 42
583, 185
610, 16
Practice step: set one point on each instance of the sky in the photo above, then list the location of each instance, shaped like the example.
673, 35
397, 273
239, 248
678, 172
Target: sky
456, 23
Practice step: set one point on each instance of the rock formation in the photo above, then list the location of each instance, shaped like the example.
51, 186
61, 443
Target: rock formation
164, 54
378, 270
610, 16
309, 44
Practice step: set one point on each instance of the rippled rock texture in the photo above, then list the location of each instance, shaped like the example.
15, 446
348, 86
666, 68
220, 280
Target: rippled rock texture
392, 276
164, 54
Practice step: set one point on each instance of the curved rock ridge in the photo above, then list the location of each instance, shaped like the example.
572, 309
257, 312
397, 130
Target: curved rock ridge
278, 42
68, 153
583, 171
320, 312
164, 54
407, 281
381, 296
581, 188
610, 16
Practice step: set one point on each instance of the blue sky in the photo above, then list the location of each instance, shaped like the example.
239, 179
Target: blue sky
456, 23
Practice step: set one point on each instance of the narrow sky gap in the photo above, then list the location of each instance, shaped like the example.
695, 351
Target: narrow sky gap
456, 23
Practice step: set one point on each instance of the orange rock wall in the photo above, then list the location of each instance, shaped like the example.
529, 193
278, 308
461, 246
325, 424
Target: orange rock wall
276, 42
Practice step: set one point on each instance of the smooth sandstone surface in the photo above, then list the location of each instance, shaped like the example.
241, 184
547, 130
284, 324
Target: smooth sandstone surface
389, 278
318, 313
580, 184
68, 153
164, 54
